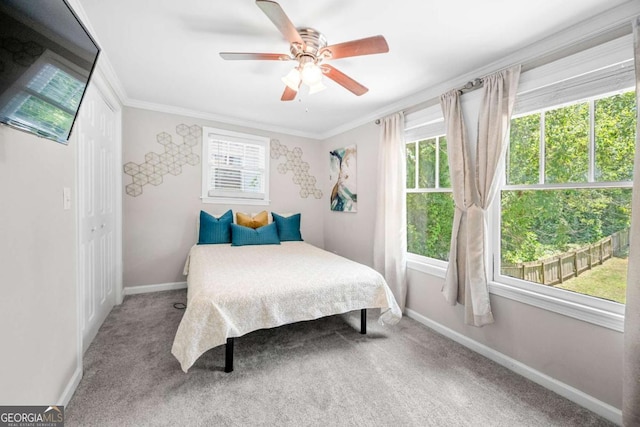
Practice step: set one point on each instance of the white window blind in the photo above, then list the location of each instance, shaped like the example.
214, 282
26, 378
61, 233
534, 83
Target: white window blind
606, 68
236, 165
424, 123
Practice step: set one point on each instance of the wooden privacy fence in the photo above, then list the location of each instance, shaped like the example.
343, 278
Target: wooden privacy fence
557, 269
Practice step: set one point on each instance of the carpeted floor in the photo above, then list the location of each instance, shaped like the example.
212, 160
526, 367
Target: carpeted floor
318, 373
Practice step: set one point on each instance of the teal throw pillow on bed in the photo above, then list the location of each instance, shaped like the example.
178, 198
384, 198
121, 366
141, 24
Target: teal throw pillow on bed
265, 235
215, 230
288, 227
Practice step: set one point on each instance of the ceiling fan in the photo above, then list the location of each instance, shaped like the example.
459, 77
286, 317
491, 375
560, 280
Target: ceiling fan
309, 48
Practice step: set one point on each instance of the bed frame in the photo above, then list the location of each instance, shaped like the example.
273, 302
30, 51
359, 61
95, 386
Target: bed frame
228, 355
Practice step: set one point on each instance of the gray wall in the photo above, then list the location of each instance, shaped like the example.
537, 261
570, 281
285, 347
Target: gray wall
350, 234
160, 224
38, 324
577, 353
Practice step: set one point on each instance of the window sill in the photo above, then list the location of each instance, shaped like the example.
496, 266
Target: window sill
604, 318
232, 201
426, 265
596, 316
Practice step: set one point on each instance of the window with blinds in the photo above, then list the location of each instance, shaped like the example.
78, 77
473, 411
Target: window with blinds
235, 167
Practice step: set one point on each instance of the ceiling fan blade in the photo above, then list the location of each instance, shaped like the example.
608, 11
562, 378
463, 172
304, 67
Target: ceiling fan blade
275, 13
235, 56
366, 46
288, 94
344, 80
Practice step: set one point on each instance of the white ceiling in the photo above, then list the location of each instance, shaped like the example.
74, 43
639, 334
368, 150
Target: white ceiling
60, 23
165, 52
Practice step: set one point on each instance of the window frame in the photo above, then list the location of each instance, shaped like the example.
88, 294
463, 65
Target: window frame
245, 138
433, 128
585, 307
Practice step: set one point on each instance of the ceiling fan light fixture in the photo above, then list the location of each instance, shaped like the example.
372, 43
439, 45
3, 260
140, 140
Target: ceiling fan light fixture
292, 79
316, 87
310, 49
311, 74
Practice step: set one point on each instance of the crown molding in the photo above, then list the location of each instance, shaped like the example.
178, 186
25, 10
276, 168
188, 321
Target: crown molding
611, 23
104, 67
606, 26
108, 74
110, 78
162, 108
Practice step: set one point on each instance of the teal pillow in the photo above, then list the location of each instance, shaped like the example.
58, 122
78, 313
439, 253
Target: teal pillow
215, 230
265, 235
288, 227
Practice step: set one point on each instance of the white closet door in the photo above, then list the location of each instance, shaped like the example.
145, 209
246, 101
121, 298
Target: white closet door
96, 128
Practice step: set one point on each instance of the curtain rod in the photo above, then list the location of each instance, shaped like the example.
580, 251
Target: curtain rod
620, 30
470, 86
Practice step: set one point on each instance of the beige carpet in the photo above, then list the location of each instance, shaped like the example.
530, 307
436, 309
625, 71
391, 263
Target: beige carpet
318, 373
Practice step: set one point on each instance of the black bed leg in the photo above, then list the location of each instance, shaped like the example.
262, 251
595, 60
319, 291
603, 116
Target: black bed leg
228, 356
363, 321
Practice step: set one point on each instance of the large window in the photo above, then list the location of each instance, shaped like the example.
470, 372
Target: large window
566, 205
559, 226
235, 167
429, 199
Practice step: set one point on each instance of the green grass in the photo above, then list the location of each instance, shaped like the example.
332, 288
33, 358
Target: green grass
608, 281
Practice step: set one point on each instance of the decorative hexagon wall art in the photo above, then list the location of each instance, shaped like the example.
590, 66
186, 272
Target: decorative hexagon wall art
299, 168
170, 161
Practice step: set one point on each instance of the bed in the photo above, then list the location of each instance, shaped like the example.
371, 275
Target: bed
234, 290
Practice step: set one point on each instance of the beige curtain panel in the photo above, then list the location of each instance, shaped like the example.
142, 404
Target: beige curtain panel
390, 233
475, 185
631, 381
460, 171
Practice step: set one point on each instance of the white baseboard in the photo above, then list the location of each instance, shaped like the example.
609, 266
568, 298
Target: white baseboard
67, 394
143, 289
589, 402
70, 388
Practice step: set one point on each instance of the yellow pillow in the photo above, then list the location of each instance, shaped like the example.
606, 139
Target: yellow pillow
256, 221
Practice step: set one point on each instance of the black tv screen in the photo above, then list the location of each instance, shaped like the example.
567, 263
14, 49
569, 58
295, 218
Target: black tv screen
46, 60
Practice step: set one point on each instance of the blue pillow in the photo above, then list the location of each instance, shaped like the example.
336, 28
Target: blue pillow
265, 235
288, 227
215, 230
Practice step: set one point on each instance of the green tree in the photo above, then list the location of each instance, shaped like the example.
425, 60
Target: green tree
411, 165
429, 223
566, 133
445, 178
615, 137
427, 163
524, 150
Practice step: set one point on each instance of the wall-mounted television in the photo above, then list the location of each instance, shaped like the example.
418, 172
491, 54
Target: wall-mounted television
46, 60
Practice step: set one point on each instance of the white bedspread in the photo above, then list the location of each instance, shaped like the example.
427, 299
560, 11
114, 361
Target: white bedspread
233, 290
